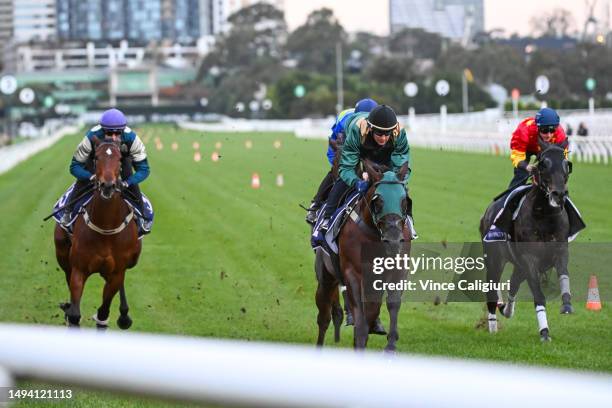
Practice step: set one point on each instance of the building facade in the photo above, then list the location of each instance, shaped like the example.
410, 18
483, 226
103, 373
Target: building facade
455, 19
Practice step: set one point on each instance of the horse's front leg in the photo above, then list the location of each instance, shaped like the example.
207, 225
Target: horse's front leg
73, 312
124, 321
539, 299
113, 282
564, 281
361, 328
394, 302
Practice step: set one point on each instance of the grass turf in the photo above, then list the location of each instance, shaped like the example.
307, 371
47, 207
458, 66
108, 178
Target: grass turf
225, 260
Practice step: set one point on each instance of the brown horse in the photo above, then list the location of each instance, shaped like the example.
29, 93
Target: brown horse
104, 240
380, 220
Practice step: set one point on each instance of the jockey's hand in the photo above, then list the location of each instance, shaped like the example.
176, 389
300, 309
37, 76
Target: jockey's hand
92, 178
124, 185
530, 168
362, 186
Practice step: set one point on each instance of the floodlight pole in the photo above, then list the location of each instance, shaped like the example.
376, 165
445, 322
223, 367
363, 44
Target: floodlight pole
339, 79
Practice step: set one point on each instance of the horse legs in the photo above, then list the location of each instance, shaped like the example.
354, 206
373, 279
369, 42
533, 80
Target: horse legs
73, 312
110, 290
124, 321
394, 302
323, 298
564, 282
361, 328
539, 301
515, 283
494, 261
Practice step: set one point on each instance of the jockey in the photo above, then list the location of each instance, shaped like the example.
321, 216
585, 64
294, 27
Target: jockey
524, 145
113, 126
336, 139
376, 136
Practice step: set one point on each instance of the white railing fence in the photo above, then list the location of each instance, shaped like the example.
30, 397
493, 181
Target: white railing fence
484, 132
259, 374
46, 136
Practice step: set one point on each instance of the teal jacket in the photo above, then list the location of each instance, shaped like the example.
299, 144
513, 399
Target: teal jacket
359, 144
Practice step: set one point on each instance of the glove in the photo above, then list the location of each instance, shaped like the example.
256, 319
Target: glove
92, 178
530, 168
362, 186
124, 184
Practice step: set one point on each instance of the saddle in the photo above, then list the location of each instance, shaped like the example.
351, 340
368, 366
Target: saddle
512, 202
78, 208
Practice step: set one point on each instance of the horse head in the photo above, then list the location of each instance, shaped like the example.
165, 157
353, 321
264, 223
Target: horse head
552, 173
387, 201
107, 165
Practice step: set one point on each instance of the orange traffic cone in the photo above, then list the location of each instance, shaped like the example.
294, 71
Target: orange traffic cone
255, 183
593, 301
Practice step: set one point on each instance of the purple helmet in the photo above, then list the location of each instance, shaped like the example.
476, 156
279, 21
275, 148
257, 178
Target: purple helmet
365, 105
113, 119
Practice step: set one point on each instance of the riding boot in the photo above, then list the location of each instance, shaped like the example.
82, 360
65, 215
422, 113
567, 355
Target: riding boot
136, 197
318, 233
78, 189
319, 198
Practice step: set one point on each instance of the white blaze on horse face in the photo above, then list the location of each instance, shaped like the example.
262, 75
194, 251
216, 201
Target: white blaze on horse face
109, 152
553, 203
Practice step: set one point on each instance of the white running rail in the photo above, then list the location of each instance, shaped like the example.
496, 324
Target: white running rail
259, 374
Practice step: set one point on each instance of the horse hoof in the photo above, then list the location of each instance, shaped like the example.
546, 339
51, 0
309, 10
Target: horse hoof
101, 327
544, 336
567, 308
390, 351
378, 328
124, 322
349, 320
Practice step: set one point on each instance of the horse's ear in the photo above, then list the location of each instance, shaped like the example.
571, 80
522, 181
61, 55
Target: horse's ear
564, 144
373, 174
543, 145
402, 172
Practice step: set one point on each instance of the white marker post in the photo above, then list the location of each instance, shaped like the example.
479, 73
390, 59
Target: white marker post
542, 85
442, 89
411, 90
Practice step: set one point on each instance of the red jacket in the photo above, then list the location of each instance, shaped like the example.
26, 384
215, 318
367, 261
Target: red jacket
525, 139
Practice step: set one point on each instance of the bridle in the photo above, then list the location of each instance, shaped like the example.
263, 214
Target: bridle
370, 202
98, 186
544, 187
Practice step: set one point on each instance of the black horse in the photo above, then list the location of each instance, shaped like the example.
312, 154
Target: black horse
539, 239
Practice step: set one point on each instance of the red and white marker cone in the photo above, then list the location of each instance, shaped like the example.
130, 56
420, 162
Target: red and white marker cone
255, 182
593, 300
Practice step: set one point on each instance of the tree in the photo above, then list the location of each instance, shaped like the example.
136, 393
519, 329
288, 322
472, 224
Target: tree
313, 44
416, 43
557, 23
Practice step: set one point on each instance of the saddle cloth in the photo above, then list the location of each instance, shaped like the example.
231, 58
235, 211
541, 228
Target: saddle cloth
79, 205
337, 220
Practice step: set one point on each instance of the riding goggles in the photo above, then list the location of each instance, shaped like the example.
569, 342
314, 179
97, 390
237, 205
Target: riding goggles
547, 129
110, 132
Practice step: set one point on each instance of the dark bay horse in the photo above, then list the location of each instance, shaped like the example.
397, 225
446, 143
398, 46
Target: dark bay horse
380, 219
104, 240
539, 241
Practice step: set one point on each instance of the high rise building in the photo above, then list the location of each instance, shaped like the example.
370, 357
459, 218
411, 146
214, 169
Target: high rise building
134, 20
27, 20
455, 19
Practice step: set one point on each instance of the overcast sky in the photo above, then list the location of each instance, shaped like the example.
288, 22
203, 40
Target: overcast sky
373, 15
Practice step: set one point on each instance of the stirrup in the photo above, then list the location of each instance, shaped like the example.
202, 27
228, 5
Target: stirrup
311, 215
318, 235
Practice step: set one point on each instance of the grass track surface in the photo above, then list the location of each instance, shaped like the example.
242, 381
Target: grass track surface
225, 260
